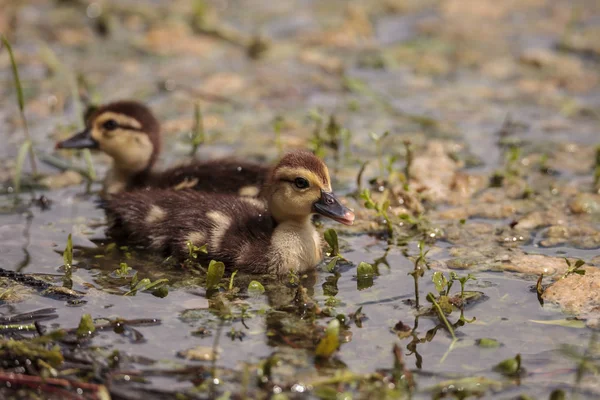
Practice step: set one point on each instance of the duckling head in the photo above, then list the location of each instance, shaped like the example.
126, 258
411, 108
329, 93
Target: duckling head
300, 186
125, 130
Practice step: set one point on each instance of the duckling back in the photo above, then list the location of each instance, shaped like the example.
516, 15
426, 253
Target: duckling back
237, 231
213, 176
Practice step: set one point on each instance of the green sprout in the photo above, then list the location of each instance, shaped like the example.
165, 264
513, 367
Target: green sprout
418, 271
123, 270
329, 344
216, 270
68, 263
380, 209
158, 287
194, 251
574, 268
21, 103
198, 134
86, 326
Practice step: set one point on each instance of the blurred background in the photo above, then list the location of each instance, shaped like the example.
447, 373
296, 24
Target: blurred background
492, 114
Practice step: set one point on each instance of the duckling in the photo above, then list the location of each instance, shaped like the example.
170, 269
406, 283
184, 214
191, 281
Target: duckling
130, 134
273, 233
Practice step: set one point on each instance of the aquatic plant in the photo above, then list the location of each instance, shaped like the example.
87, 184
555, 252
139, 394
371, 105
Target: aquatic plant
21, 104
68, 263
198, 136
418, 270
574, 268
329, 344
216, 270
158, 287
364, 275
381, 208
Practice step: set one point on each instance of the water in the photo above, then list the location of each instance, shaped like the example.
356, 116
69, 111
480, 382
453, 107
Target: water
441, 81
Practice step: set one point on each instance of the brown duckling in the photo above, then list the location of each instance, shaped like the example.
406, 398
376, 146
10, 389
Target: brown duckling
270, 234
130, 134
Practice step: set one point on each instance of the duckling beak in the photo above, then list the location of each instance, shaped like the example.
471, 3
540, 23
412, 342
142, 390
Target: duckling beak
329, 206
81, 140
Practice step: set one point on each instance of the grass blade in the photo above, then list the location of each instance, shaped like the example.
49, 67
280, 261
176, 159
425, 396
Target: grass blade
23, 150
21, 102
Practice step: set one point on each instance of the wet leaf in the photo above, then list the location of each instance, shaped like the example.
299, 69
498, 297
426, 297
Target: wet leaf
216, 269
365, 270
86, 326
487, 343
23, 150
567, 323
510, 366
440, 281
330, 267
68, 252
231, 279
256, 288
330, 342
364, 275
444, 303
331, 237
540, 289
146, 284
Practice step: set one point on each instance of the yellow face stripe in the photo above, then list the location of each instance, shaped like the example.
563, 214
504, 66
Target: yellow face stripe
293, 173
121, 119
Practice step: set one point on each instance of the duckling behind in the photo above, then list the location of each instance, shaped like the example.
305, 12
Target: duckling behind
273, 234
129, 133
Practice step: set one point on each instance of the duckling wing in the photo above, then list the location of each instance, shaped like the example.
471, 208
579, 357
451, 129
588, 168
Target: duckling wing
236, 230
215, 176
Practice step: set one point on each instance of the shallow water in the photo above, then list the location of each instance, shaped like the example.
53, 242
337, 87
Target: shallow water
439, 81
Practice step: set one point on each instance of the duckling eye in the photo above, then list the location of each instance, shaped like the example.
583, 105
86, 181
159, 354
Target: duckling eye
301, 183
110, 125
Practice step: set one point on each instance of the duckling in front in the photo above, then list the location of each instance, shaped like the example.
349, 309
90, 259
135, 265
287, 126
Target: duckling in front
129, 133
270, 234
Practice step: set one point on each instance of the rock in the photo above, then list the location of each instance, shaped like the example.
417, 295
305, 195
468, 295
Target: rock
577, 294
61, 180
579, 236
200, 353
535, 264
585, 203
433, 172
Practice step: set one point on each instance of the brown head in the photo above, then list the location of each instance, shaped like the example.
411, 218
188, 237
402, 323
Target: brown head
125, 130
299, 186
